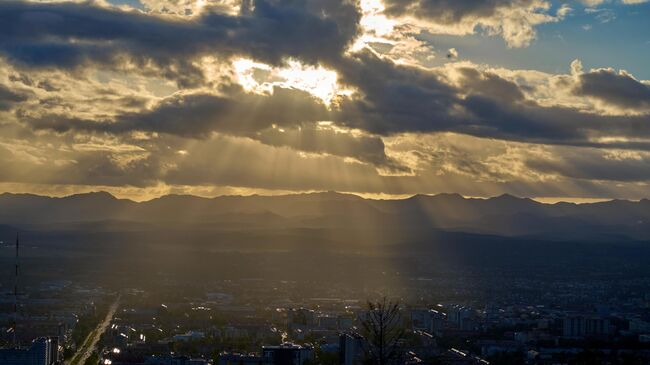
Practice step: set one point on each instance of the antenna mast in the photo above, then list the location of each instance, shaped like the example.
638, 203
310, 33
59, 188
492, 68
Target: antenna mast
16, 291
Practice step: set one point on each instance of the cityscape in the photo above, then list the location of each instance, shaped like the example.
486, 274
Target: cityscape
295, 295
258, 321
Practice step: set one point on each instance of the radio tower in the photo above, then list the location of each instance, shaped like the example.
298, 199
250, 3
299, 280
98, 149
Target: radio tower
16, 291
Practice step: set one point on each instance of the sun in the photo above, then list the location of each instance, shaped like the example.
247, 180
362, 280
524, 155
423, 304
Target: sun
258, 77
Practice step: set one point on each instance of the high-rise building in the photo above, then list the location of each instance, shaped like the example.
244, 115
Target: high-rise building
287, 354
301, 317
240, 359
43, 351
580, 326
351, 349
54, 350
573, 326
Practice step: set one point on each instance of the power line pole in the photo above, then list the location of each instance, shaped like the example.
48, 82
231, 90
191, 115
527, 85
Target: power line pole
17, 271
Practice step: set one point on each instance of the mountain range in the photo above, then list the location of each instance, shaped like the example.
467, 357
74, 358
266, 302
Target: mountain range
505, 215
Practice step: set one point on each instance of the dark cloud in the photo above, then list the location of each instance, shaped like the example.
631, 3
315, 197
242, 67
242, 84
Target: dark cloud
78, 168
394, 98
397, 99
324, 139
451, 11
514, 20
591, 164
197, 115
285, 118
618, 89
548, 125
9, 98
475, 82
70, 35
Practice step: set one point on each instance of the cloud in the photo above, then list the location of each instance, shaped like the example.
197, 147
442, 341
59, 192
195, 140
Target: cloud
390, 99
594, 164
397, 99
54, 163
9, 98
619, 89
286, 117
197, 115
326, 138
514, 20
188, 7
443, 162
72, 35
594, 3
393, 98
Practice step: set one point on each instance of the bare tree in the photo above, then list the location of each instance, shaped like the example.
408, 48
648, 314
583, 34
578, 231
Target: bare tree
383, 331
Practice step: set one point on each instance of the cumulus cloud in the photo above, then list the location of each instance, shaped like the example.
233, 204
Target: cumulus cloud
71, 35
325, 138
619, 89
442, 161
286, 117
594, 3
514, 20
594, 164
396, 99
8, 98
391, 99
199, 114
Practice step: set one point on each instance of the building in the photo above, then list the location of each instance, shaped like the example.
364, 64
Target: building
301, 317
580, 326
597, 326
438, 322
43, 351
287, 354
351, 349
175, 360
240, 359
462, 317
431, 320
573, 327
421, 320
189, 336
458, 357
54, 350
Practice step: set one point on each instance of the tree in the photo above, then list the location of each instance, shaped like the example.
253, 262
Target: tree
382, 329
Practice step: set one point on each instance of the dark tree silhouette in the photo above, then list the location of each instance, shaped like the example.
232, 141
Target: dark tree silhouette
382, 329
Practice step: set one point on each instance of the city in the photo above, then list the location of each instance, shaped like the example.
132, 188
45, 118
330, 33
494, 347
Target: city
259, 321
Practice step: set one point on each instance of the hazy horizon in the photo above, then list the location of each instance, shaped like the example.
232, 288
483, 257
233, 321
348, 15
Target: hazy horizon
140, 199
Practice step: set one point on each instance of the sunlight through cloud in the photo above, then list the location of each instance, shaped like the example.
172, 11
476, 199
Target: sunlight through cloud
262, 78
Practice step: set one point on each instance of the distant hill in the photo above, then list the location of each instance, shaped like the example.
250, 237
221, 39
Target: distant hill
504, 215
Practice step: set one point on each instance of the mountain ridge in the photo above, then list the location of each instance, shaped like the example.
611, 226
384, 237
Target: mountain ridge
318, 193
504, 215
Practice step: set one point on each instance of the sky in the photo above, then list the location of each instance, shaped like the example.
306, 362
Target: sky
381, 98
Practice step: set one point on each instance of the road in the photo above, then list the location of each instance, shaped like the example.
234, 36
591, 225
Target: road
88, 346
